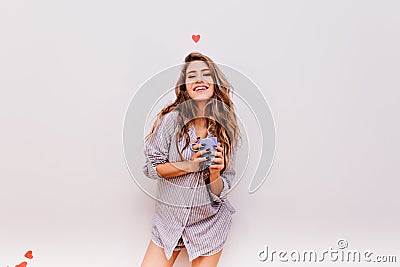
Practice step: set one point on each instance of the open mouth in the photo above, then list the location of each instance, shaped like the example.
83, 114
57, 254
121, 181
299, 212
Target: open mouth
200, 88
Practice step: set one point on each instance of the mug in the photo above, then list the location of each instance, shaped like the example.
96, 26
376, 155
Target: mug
208, 142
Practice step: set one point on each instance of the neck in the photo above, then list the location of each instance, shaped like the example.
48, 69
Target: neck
200, 106
200, 123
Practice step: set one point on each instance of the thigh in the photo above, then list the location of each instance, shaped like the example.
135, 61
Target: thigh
207, 261
155, 256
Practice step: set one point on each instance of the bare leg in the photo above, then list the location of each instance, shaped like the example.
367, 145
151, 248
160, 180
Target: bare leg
207, 261
155, 257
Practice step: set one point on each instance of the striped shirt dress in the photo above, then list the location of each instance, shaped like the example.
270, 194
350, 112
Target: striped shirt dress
187, 213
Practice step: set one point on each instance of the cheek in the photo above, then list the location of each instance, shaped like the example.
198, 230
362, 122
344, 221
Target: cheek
189, 90
211, 88
188, 85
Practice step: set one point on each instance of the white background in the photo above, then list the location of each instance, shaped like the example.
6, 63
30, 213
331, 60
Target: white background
68, 69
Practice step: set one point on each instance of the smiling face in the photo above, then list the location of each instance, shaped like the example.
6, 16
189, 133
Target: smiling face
199, 81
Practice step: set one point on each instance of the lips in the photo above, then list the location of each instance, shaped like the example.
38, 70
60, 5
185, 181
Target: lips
200, 87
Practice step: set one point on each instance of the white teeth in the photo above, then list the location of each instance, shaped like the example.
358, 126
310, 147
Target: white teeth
200, 87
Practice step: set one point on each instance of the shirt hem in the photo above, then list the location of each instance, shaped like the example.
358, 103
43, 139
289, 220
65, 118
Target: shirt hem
212, 252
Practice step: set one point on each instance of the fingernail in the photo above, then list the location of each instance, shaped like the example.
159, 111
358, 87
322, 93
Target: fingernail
203, 144
208, 149
198, 137
214, 146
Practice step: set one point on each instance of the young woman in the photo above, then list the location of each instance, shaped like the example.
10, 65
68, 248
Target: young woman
192, 210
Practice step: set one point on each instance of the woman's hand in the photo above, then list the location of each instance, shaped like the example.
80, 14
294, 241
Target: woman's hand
216, 183
219, 161
196, 158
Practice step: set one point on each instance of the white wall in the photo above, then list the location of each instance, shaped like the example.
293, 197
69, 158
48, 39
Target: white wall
329, 70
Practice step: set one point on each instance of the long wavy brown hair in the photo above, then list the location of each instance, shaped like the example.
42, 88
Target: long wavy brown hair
219, 113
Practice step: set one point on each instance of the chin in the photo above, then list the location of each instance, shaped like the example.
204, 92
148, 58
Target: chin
202, 98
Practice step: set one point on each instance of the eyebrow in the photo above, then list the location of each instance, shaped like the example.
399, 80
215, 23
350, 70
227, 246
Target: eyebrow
195, 71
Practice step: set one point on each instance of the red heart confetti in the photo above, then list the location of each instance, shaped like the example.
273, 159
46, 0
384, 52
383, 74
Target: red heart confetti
29, 254
196, 38
22, 264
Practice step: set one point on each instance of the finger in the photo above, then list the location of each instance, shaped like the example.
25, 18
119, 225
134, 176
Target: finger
216, 166
201, 159
196, 157
219, 144
208, 150
195, 140
219, 149
199, 153
217, 160
197, 146
218, 154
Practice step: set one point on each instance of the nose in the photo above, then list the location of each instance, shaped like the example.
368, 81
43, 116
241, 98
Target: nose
199, 78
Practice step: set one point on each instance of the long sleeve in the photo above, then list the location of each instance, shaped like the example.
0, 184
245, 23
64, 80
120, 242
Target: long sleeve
227, 178
156, 149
